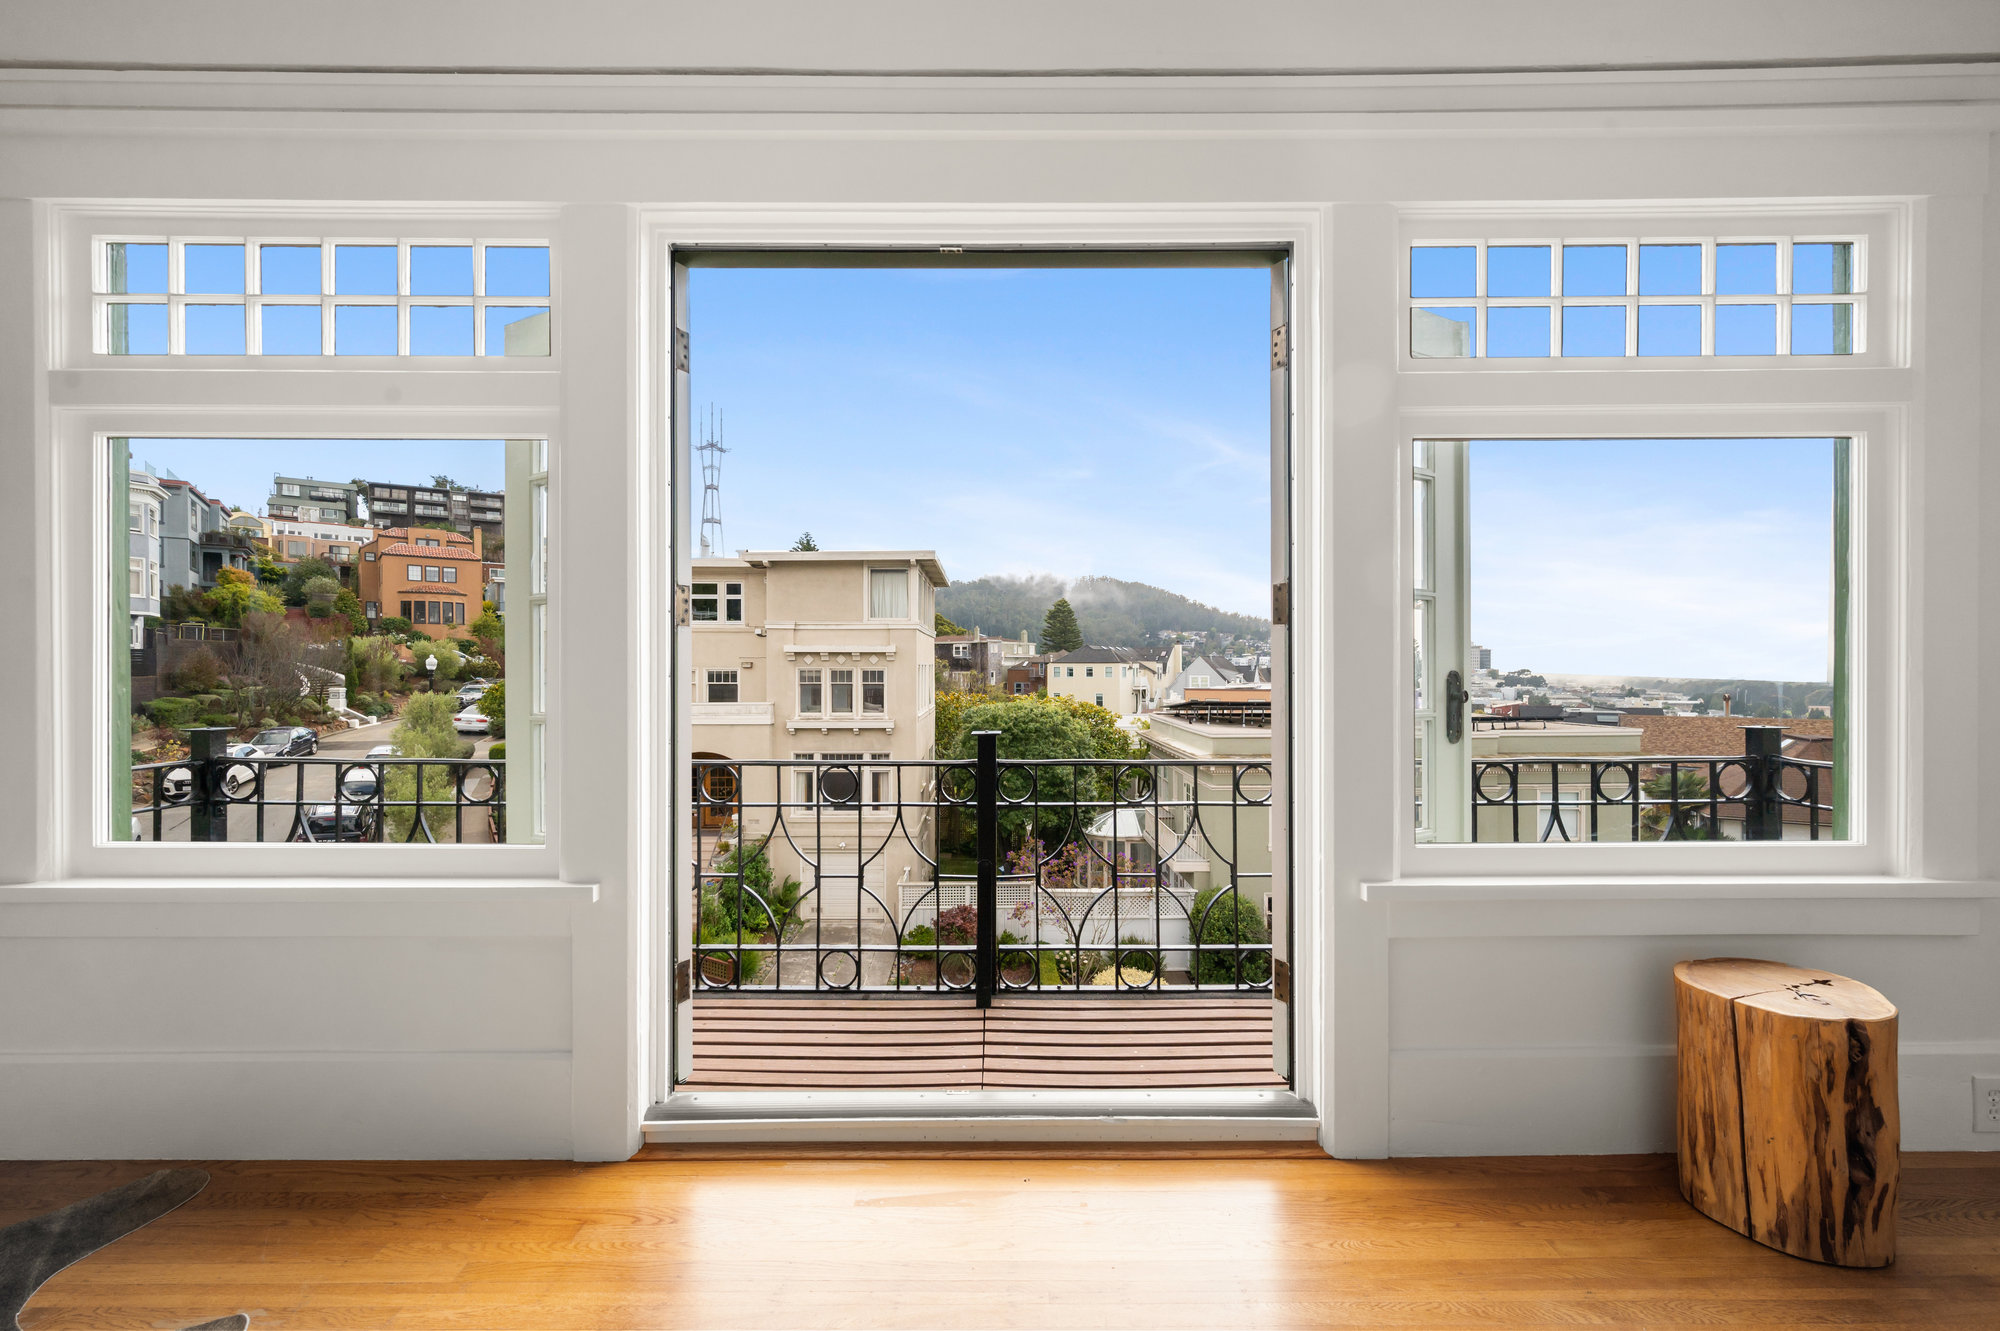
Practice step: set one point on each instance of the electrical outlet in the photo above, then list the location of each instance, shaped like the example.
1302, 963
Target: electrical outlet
1986, 1104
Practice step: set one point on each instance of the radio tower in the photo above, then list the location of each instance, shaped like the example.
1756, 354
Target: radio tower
711, 451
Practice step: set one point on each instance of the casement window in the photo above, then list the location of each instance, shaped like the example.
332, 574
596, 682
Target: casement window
138, 578
238, 296
1705, 619
840, 691
888, 593
874, 691
430, 573
717, 602
414, 573
449, 574
811, 693
721, 686
1785, 296
961, 651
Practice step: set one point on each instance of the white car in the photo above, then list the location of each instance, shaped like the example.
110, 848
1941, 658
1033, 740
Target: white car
383, 751
472, 721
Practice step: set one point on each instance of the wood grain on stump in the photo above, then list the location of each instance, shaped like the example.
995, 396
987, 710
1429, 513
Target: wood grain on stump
1787, 1124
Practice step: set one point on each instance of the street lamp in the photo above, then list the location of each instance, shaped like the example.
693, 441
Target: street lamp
431, 666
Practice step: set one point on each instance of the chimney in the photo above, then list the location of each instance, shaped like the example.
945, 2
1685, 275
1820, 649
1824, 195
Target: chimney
1725, 705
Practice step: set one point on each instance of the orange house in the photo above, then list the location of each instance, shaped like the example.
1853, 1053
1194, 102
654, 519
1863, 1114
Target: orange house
427, 575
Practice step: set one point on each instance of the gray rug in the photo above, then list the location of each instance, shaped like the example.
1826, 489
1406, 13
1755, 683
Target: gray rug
34, 1250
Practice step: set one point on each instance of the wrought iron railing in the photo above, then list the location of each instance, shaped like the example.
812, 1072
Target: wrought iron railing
213, 795
982, 876
1759, 795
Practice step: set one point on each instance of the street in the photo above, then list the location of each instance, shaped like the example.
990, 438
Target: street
288, 785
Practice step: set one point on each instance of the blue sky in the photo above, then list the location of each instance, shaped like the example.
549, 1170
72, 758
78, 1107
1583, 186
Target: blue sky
239, 471
1064, 421
1680, 557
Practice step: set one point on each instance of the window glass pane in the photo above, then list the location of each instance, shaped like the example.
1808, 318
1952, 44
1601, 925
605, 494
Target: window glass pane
841, 691
440, 270
1593, 270
1746, 270
1442, 333
1517, 330
440, 330
212, 269
291, 330
1593, 330
1517, 270
289, 270
1443, 270
1746, 330
1670, 270
1593, 567
889, 593
1420, 664
248, 626
1420, 535
364, 330
516, 330
1822, 330
135, 268
137, 330
517, 270
1823, 269
214, 330
364, 270
1670, 330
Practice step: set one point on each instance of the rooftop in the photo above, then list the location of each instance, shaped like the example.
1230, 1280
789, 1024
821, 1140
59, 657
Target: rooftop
926, 560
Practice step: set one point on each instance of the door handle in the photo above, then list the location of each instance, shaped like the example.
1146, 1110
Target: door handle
1454, 707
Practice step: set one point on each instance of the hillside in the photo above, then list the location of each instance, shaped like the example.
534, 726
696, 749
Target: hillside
1110, 611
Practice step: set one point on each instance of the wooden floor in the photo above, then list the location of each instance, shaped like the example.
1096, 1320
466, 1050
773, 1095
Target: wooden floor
1014, 1239
948, 1044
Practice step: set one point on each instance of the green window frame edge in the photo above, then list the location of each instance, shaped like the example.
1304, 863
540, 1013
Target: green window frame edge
1843, 647
118, 587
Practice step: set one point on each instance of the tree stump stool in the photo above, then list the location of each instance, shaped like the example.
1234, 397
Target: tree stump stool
1787, 1122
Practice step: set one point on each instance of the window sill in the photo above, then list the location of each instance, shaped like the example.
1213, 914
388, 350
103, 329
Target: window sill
1735, 887
131, 891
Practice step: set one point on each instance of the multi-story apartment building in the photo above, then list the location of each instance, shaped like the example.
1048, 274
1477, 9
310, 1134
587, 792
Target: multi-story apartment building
337, 543
146, 498
813, 657
427, 576
309, 500
400, 504
196, 539
1115, 678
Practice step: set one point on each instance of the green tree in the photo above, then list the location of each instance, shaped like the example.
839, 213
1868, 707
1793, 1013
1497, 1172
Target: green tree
449, 660
945, 627
1059, 630
805, 542
394, 624
346, 603
425, 731
490, 632
377, 669
299, 574
1029, 730
320, 596
1108, 739
440, 481
492, 705
236, 595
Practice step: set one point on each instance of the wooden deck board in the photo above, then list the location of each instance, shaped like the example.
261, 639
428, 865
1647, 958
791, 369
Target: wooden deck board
923, 1043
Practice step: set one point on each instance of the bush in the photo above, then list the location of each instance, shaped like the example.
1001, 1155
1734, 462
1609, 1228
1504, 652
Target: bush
748, 962
958, 926
492, 705
173, 712
218, 719
1222, 918
1137, 954
498, 753
394, 624
919, 936
200, 671
750, 899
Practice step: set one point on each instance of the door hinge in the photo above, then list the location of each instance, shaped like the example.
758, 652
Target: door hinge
1281, 603
1281, 353
682, 595
1281, 981
681, 349
683, 981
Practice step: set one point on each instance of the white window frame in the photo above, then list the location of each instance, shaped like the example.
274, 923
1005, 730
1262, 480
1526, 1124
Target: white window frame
868, 592
716, 677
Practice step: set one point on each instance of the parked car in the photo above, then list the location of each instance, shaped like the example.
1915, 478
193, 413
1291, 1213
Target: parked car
384, 751
177, 782
330, 822
286, 742
472, 721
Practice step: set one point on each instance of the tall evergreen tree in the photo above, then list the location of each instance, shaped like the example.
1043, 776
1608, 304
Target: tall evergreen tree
1059, 630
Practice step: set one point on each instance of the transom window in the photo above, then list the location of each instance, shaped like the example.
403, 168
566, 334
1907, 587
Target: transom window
250, 296
1571, 298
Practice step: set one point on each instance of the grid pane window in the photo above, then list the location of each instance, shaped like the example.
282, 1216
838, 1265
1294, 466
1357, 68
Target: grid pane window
721, 686
165, 296
1590, 298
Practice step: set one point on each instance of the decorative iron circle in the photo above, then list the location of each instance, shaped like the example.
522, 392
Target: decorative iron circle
1133, 785
1019, 785
359, 785
242, 783
840, 969
176, 785
839, 785
1252, 784
1489, 793
716, 785
478, 784
1601, 793
1018, 968
956, 783
957, 970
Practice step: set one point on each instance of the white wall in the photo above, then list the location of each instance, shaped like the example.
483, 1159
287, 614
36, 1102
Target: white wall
488, 1018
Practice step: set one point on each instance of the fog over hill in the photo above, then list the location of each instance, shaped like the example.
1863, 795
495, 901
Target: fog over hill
1111, 611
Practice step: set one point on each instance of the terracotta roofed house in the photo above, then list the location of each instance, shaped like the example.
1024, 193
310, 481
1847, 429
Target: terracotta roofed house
427, 575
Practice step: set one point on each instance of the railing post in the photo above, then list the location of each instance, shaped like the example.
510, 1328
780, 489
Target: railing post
1763, 812
986, 805
208, 810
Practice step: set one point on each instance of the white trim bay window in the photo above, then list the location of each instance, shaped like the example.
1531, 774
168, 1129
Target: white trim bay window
1663, 632
888, 593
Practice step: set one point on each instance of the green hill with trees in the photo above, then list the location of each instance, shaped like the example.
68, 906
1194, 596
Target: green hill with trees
1110, 612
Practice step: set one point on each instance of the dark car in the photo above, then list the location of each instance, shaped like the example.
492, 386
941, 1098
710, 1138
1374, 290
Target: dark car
342, 822
286, 742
